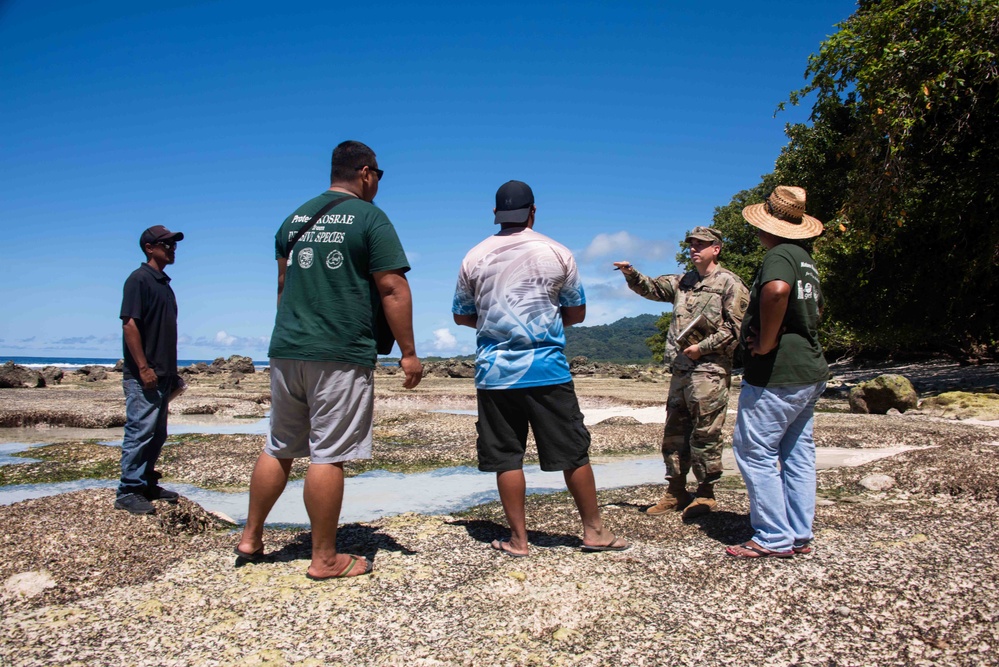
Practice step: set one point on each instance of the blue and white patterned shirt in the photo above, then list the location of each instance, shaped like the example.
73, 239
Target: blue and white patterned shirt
515, 283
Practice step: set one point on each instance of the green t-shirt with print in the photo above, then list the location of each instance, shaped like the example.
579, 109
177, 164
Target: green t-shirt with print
328, 305
797, 360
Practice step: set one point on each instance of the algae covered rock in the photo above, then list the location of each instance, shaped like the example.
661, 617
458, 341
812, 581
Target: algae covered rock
963, 405
883, 393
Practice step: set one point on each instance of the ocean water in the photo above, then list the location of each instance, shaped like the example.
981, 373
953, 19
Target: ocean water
72, 363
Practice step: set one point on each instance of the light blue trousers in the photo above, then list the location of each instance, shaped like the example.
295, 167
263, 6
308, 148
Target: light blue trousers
775, 426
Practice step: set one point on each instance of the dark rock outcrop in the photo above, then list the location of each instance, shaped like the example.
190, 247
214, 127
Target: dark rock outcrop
13, 376
239, 364
449, 368
93, 373
53, 375
235, 363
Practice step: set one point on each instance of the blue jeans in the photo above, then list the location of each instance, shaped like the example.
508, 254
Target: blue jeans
775, 425
145, 433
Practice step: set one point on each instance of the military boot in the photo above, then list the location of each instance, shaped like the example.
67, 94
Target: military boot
704, 501
674, 500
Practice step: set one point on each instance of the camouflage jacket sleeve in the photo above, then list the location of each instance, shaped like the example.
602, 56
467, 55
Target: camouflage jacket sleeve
662, 288
735, 301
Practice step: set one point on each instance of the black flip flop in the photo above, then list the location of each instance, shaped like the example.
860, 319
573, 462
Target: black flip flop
255, 557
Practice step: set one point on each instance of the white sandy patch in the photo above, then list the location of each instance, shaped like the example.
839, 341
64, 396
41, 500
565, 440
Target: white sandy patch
654, 415
837, 457
979, 422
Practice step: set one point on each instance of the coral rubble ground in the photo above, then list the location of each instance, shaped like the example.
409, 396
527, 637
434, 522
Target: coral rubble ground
903, 571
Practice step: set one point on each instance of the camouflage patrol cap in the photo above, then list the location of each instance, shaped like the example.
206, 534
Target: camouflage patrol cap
709, 234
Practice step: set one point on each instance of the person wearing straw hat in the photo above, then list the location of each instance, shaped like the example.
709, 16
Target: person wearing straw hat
708, 305
785, 373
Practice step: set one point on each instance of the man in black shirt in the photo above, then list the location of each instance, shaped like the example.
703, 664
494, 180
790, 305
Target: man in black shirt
149, 332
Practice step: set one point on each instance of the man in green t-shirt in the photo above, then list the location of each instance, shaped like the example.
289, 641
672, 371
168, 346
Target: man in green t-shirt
334, 278
784, 375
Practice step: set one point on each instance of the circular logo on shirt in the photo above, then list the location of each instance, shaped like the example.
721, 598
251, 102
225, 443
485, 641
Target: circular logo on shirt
334, 260
305, 258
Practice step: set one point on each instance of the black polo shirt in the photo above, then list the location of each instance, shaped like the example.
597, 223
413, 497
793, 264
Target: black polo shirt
149, 300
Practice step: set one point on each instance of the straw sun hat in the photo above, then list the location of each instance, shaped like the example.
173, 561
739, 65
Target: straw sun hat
783, 214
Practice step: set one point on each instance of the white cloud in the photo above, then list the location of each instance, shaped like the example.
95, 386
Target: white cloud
602, 290
223, 343
609, 300
222, 338
444, 340
622, 245
446, 343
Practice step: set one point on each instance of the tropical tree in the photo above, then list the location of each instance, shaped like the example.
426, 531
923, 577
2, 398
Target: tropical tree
657, 341
741, 250
900, 161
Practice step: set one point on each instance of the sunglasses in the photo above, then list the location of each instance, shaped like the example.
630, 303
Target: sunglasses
169, 245
378, 172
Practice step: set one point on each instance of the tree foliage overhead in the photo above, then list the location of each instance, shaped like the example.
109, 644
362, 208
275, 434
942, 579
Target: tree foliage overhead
901, 162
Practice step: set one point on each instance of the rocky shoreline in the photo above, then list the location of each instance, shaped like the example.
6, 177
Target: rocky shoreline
902, 573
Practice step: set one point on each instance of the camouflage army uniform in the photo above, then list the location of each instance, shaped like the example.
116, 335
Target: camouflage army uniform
698, 390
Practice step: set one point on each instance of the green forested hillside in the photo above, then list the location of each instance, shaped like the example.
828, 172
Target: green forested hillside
621, 342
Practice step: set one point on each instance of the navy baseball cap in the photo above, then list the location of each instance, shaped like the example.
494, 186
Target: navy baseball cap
514, 200
158, 233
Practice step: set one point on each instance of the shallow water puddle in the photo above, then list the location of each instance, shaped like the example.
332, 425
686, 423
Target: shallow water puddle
379, 493
651, 415
8, 448
113, 436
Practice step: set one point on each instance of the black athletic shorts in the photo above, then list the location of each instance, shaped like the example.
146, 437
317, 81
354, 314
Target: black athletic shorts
553, 414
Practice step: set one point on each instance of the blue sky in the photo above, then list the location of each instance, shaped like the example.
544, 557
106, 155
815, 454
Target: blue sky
631, 122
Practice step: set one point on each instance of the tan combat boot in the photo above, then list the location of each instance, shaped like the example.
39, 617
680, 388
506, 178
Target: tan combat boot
674, 500
703, 503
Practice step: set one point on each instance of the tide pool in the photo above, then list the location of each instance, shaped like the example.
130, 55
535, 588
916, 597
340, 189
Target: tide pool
378, 493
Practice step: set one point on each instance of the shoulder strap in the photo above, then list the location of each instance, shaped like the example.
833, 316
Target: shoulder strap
307, 226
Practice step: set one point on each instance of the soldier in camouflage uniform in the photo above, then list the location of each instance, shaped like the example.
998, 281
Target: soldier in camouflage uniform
701, 372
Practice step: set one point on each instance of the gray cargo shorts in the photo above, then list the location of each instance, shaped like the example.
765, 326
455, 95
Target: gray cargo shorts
320, 409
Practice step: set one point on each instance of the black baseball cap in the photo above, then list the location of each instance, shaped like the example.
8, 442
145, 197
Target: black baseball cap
514, 200
158, 233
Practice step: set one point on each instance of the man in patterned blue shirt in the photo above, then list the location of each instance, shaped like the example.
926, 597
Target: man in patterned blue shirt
519, 289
